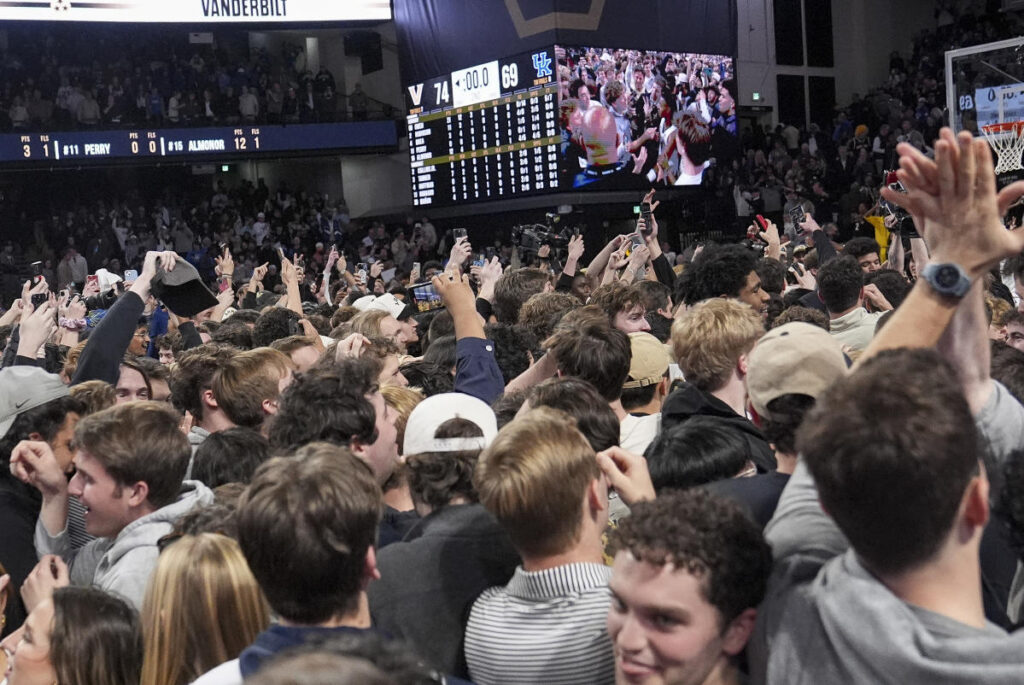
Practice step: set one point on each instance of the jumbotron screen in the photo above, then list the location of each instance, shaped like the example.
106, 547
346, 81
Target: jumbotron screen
635, 118
485, 132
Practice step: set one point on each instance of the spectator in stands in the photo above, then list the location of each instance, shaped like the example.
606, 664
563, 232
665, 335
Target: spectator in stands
841, 287
712, 343
624, 306
725, 271
789, 368
248, 386
690, 571
514, 288
644, 391
541, 481
34, 406
1013, 324
307, 526
202, 608
79, 635
343, 405
865, 251
130, 463
192, 391
229, 456
419, 598
595, 352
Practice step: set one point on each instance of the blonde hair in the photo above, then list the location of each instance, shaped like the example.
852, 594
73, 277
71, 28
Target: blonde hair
403, 401
94, 395
202, 608
533, 478
1000, 309
368, 323
708, 340
71, 361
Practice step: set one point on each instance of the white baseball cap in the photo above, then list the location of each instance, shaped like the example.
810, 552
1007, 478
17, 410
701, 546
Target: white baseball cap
429, 414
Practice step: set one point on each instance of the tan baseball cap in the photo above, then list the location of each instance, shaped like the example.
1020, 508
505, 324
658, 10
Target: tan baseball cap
649, 362
794, 359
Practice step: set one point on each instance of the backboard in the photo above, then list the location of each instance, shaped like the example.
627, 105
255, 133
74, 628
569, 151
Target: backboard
985, 88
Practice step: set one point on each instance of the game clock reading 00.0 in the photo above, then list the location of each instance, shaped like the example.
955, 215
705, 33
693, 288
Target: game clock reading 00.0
485, 132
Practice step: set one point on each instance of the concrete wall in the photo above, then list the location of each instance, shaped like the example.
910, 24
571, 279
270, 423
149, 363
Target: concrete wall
864, 32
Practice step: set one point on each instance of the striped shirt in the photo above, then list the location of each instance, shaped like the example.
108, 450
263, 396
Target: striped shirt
543, 627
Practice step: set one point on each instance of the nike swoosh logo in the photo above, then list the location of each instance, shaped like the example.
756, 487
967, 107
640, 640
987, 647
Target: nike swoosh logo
19, 405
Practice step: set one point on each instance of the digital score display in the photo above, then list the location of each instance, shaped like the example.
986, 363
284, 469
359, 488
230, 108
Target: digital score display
78, 147
485, 132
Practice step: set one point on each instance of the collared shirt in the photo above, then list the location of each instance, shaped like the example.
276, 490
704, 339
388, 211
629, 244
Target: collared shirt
855, 328
543, 627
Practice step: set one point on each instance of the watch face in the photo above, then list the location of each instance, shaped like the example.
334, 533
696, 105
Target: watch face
947, 276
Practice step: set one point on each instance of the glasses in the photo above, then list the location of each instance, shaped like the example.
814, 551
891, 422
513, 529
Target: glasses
142, 334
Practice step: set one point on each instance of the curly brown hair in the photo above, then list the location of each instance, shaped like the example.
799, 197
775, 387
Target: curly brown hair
708, 536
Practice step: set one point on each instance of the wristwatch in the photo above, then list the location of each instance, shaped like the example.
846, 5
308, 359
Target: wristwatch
947, 279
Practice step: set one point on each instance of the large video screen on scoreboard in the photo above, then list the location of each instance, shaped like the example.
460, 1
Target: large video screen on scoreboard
570, 118
485, 132
634, 118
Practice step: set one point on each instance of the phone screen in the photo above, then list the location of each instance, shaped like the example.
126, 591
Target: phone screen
645, 214
425, 296
459, 233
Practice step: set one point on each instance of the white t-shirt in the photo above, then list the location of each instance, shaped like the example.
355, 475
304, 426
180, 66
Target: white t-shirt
637, 432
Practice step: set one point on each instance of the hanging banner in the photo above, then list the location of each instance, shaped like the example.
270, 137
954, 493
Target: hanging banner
196, 11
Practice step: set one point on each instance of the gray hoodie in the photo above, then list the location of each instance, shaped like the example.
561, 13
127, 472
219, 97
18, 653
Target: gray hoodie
826, 619
122, 566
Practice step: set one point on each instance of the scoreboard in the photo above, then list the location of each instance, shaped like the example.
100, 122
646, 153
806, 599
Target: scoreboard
212, 143
485, 132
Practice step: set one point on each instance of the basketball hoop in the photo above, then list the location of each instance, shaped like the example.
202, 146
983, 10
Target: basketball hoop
1007, 139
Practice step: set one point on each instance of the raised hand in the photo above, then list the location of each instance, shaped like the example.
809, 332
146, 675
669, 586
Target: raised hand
955, 199
33, 462
576, 248
627, 473
35, 330
225, 264
49, 574
460, 253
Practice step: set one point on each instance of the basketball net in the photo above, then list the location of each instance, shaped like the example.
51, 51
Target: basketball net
1007, 139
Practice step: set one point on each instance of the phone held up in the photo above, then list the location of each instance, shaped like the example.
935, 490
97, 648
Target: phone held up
645, 214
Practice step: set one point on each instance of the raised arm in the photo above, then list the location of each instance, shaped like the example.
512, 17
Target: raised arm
954, 198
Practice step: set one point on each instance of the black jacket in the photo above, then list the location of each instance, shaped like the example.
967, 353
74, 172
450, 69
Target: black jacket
687, 400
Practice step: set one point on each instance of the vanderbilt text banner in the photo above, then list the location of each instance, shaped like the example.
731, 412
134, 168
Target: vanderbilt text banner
196, 11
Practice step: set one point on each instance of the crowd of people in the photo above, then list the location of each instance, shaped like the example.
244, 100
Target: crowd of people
800, 463
633, 118
244, 438
115, 77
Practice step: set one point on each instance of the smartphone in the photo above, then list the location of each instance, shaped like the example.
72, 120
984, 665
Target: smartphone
425, 296
39, 299
92, 280
459, 233
480, 260
645, 214
362, 271
37, 272
131, 275
416, 267
797, 215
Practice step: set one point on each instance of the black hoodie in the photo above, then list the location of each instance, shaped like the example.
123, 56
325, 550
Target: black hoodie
687, 400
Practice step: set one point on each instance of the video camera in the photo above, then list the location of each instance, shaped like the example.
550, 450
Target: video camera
530, 237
